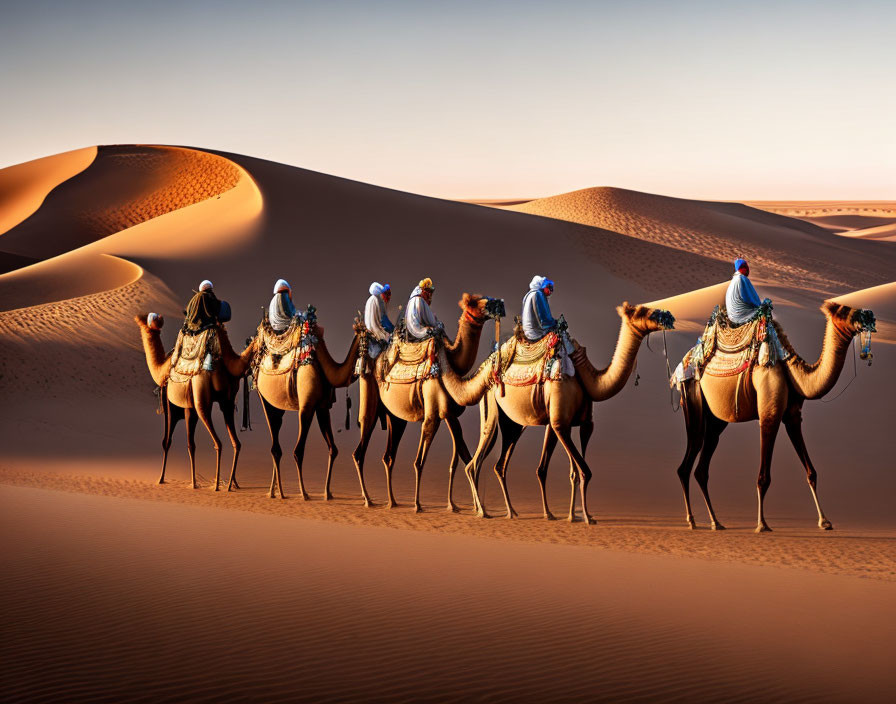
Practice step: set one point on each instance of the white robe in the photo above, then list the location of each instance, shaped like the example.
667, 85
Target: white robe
374, 311
419, 317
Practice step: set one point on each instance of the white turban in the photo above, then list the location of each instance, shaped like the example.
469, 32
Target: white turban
538, 283
153, 320
206, 285
281, 285
376, 288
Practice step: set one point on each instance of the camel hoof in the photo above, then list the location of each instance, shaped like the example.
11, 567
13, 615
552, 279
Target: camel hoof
162, 481
195, 486
692, 524
589, 521
549, 517
235, 485
217, 488
418, 509
229, 488
328, 497
571, 518
305, 497
482, 514
763, 528
719, 526
826, 525
452, 509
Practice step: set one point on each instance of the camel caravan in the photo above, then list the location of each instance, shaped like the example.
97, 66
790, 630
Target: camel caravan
742, 368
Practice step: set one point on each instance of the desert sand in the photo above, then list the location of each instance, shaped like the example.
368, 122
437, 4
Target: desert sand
292, 599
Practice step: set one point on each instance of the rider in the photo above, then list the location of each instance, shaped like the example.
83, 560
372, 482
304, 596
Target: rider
741, 299
421, 322
281, 310
538, 321
376, 318
204, 309
537, 318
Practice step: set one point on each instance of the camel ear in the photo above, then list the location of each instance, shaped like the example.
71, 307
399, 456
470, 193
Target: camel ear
625, 309
469, 300
831, 309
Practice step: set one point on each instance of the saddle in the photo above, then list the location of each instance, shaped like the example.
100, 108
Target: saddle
726, 349
407, 362
281, 353
193, 353
524, 363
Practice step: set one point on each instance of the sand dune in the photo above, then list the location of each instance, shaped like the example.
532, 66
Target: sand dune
122, 187
23, 187
886, 232
782, 249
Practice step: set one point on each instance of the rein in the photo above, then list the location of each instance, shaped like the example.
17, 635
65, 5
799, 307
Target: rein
855, 373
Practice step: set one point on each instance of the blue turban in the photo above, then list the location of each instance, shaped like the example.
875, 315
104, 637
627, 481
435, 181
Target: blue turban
738, 263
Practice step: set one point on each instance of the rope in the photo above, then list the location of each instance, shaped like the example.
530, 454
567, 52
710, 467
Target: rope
675, 408
855, 371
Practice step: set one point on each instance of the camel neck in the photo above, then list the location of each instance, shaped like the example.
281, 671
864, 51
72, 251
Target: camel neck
605, 383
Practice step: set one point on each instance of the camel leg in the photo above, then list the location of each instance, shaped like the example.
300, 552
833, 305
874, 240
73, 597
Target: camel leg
274, 417
192, 419
202, 404
459, 451
395, 427
564, 434
712, 431
326, 429
428, 430
692, 410
793, 423
768, 430
367, 415
488, 434
228, 410
510, 435
173, 415
298, 452
541, 472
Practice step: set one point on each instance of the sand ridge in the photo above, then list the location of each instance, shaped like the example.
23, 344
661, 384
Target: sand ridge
24, 187
122, 187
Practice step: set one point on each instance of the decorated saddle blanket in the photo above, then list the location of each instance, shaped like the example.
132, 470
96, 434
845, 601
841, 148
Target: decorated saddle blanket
407, 362
726, 349
283, 352
524, 362
193, 353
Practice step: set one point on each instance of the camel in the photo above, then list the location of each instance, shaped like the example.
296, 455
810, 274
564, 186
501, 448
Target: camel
308, 391
566, 403
192, 400
771, 395
423, 401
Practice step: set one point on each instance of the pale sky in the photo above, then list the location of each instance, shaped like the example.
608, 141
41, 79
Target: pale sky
727, 100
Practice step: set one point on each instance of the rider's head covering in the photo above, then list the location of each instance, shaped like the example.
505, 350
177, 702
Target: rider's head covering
206, 285
282, 285
378, 289
739, 263
540, 283
154, 320
426, 285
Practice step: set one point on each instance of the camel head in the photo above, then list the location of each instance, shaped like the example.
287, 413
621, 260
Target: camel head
478, 308
149, 321
644, 320
849, 321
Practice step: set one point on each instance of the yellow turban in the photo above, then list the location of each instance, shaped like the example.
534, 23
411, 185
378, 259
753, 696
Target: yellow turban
426, 284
